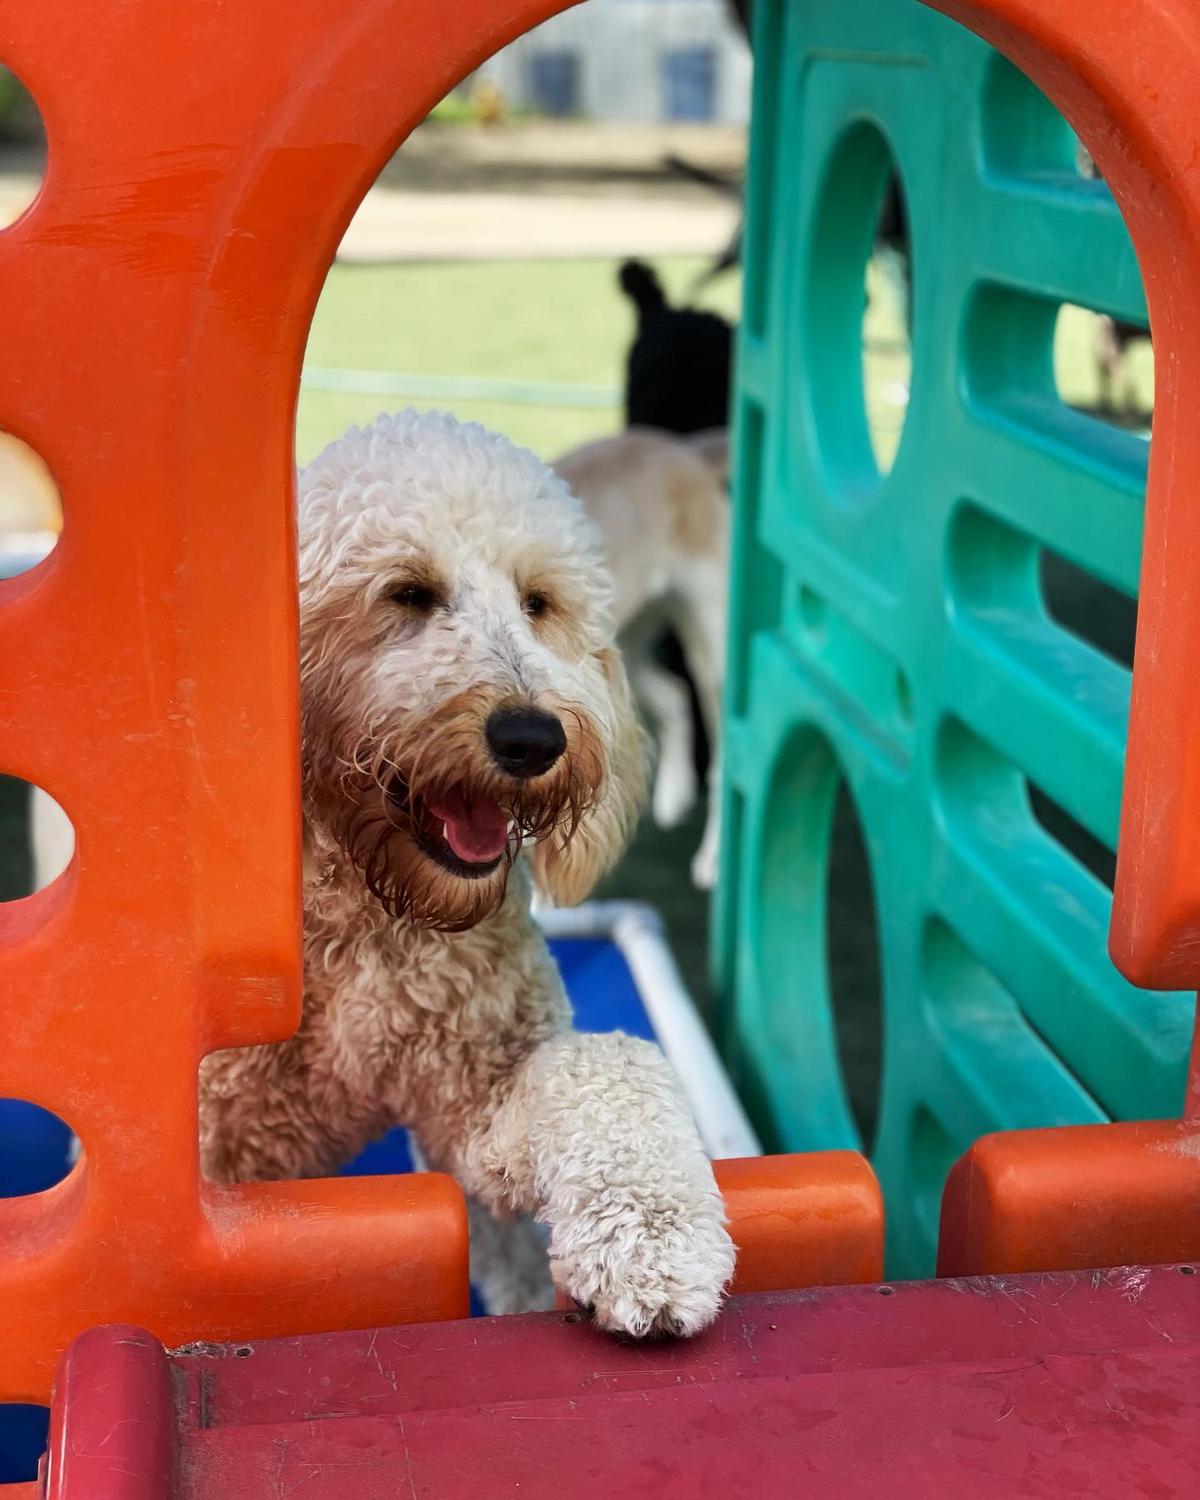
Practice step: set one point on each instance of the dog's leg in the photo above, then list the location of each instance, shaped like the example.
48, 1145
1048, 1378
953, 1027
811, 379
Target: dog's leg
706, 860
701, 628
510, 1267
666, 699
593, 1137
271, 1113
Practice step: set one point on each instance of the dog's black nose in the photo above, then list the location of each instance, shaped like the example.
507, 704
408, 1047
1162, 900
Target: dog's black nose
525, 741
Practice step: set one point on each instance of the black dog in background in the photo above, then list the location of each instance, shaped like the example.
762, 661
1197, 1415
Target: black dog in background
678, 377
678, 372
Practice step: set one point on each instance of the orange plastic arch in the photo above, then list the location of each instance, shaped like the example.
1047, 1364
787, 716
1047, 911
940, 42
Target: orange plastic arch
204, 161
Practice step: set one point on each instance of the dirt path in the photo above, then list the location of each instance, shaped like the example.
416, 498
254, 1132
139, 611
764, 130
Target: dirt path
537, 190
400, 225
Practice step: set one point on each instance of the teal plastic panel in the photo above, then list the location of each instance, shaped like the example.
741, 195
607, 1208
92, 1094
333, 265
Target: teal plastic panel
894, 634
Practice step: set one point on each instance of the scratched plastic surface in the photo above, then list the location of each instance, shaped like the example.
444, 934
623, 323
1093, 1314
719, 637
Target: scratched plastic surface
1029, 1386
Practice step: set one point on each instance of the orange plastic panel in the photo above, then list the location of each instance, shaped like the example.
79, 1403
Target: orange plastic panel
813, 1220
1074, 1198
204, 160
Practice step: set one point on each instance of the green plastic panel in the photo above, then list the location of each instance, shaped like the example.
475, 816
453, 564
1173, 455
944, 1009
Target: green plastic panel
901, 635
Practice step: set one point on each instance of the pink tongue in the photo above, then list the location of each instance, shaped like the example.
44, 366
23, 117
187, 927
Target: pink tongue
477, 833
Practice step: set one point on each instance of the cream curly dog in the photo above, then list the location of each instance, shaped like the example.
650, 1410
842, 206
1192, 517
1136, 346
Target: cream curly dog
468, 732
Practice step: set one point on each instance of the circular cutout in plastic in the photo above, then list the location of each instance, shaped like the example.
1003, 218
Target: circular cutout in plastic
37, 839
857, 343
35, 1148
22, 148
31, 514
854, 967
814, 1016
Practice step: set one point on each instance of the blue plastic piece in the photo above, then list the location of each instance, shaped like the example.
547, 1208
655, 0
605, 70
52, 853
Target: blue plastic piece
34, 1147
603, 994
23, 1433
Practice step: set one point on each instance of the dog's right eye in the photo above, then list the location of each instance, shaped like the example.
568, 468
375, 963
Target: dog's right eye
418, 597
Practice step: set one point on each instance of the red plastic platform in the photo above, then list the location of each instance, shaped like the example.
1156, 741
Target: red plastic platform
1080, 1384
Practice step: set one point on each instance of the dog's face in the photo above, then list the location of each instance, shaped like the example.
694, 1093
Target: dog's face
461, 694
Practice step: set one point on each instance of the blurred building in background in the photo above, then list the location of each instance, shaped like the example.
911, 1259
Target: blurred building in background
629, 61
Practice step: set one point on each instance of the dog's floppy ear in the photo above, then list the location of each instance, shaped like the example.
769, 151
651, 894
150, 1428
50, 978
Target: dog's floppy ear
566, 873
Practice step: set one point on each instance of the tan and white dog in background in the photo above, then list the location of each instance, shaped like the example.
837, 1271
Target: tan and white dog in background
661, 504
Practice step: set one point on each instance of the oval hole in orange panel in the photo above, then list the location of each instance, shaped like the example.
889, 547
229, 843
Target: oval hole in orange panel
31, 514
22, 148
37, 839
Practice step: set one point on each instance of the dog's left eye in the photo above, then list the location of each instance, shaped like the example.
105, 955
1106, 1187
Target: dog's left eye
415, 596
536, 605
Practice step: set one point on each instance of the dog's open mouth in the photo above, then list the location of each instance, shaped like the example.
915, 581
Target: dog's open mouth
467, 836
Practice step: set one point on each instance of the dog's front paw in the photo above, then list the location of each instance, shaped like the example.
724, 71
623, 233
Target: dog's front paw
646, 1268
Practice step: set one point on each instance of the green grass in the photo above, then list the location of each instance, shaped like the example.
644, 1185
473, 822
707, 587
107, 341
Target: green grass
560, 320
1076, 373
566, 320
455, 109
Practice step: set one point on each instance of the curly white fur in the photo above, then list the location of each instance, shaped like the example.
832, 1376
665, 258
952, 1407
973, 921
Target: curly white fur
444, 574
